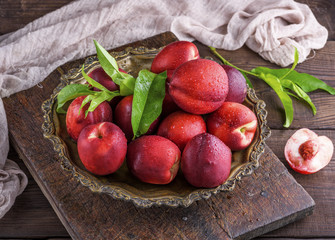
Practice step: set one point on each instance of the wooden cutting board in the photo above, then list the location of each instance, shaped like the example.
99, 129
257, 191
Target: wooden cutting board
268, 199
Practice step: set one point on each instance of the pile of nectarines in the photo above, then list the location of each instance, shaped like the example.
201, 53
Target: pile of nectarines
203, 120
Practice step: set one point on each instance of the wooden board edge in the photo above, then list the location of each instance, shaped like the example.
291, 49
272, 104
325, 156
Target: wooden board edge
44, 190
278, 223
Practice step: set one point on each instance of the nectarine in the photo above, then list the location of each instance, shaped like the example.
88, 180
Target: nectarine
173, 55
206, 161
199, 86
102, 148
234, 123
76, 121
122, 117
307, 153
153, 159
180, 127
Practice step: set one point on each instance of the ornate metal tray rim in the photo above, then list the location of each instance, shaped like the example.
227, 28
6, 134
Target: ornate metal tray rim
123, 194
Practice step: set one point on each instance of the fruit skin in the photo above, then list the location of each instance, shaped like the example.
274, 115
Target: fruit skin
153, 159
102, 148
237, 85
180, 127
169, 106
102, 77
173, 55
122, 117
199, 86
206, 161
76, 122
307, 153
234, 123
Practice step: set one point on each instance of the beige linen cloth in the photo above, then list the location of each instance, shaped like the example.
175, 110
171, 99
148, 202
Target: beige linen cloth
271, 28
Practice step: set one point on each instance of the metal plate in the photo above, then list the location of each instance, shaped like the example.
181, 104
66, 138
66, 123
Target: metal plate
122, 184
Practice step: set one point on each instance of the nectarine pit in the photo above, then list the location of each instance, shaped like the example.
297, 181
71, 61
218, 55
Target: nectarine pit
309, 149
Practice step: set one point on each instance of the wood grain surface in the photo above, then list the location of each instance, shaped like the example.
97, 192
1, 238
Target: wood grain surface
266, 200
32, 216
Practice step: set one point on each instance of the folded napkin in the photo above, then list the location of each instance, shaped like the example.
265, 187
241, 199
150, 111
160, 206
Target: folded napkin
271, 28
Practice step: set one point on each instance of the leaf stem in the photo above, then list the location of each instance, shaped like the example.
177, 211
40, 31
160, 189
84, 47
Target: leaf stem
228, 63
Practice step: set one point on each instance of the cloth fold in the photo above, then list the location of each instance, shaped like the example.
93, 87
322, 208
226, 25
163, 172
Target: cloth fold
271, 28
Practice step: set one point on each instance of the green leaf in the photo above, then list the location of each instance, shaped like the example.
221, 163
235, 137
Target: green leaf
127, 85
96, 99
148, 98
306, 82
300, 93
70, 92
99, 98
292, 94
275, 84
296, 59
108, 63
86, 101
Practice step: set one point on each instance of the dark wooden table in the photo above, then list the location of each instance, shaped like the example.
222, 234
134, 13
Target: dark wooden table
32, 216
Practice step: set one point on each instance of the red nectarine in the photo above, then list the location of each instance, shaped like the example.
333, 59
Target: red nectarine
173, 55
76, 121
234, 123
102, 148
199, 86
153, 159
180, 127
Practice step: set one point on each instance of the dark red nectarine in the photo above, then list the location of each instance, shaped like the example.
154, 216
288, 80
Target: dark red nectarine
237, 85
206, 161
122, 117
153, 159
100, 76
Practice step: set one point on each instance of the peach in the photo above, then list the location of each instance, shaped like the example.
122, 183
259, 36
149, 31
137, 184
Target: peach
206, 161
199, 86
234, 123
153, 159
307, 153
180, 127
